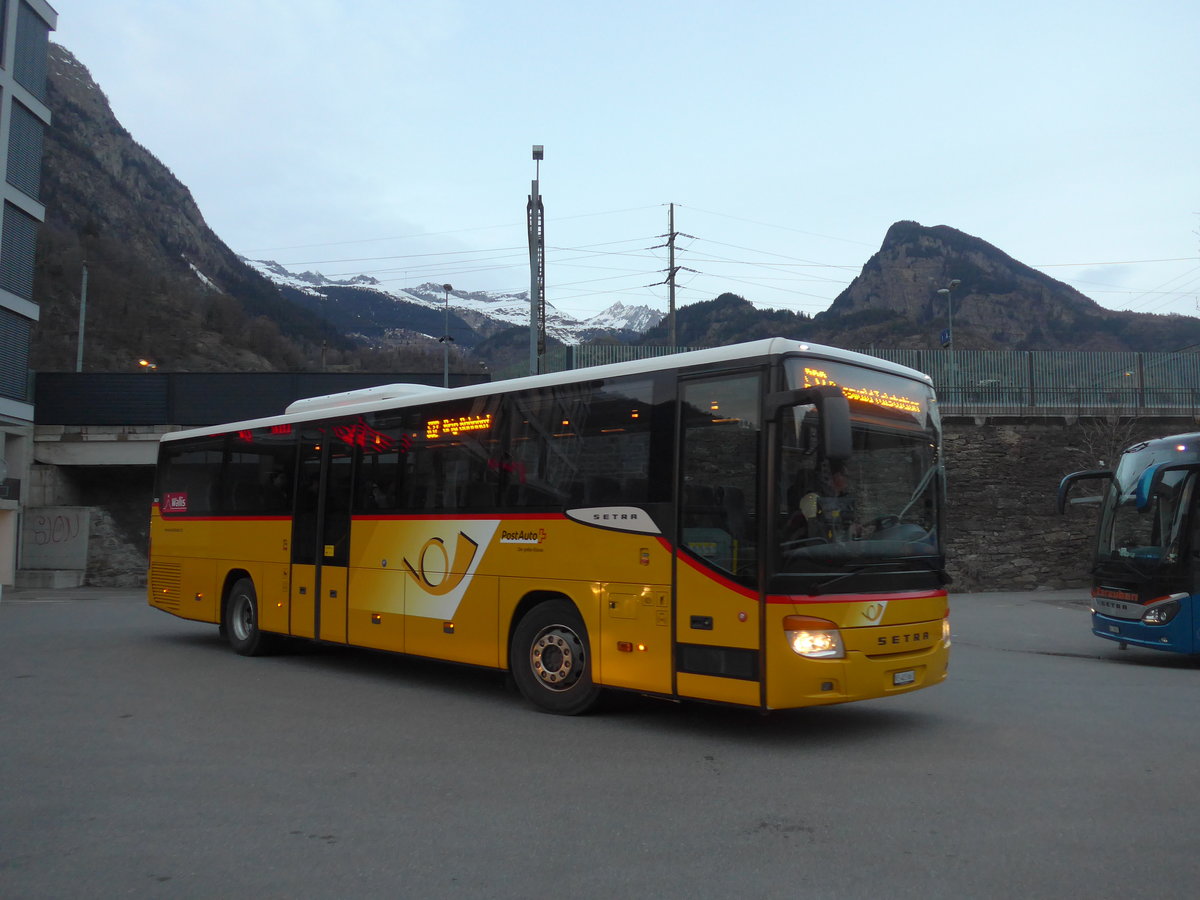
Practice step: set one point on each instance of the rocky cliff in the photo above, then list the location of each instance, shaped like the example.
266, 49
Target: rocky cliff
160, 283
998, 302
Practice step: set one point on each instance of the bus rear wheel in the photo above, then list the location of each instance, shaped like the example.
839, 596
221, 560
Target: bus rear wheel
240, 622
551, 660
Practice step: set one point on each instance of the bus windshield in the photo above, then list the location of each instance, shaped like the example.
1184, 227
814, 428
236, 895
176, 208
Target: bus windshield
1147, 539
844, 525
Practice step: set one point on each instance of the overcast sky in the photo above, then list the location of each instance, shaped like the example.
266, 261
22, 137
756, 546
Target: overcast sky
393, 137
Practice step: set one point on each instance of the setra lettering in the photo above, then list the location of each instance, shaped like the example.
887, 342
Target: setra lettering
903, 638
615, 517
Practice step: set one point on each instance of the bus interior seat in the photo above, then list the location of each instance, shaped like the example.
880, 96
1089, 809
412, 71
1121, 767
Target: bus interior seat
575, 494
600, 490
246, 496
479, 494
636, 490
737, 520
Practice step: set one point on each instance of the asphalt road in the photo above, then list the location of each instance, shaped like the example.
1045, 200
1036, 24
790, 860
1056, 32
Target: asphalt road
139, 757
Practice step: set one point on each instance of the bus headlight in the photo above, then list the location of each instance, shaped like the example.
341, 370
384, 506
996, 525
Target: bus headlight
1161, 611
814, 638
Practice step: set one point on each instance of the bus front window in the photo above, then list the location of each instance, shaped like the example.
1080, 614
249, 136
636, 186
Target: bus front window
871, 522
1148, 537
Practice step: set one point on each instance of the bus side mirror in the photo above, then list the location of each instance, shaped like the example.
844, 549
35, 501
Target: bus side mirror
834, 410
1064, 486
1152, 479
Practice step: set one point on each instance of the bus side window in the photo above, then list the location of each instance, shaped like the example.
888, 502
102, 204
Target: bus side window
385, 458
187, 475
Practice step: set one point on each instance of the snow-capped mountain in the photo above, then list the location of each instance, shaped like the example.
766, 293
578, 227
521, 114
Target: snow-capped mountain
364, 301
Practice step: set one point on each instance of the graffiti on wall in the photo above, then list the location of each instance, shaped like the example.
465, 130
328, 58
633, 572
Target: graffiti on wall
55, 537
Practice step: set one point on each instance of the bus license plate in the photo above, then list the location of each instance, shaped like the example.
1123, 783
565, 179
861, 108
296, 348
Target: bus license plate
909, 676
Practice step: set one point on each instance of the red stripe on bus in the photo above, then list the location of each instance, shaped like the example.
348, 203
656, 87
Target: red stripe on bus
719, 578
449, 517
853, 598
170, 518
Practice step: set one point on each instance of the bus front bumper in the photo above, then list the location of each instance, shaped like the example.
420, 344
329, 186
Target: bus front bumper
1174, 637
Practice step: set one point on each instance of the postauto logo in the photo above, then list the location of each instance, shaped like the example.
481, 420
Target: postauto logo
523, 536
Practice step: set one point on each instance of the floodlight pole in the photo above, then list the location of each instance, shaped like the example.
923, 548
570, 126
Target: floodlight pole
445, 338
535, 216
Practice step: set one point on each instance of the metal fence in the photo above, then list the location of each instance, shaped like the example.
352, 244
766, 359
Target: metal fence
1052, 382
1005, 382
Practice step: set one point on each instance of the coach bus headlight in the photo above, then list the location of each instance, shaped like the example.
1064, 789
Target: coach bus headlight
814, 638
1161, 612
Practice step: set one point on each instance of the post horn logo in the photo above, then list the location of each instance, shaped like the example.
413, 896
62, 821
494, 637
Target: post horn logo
435, 571
873, 612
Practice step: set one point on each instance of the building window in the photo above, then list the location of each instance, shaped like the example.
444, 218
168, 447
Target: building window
31, 60
25, 143
14, 356
3, 23
18, 248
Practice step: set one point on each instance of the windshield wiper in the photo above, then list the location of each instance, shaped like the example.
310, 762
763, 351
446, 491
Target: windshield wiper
857, 570
1142, 566
926, 562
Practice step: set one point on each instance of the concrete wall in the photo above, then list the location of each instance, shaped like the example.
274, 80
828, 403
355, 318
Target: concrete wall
55, 537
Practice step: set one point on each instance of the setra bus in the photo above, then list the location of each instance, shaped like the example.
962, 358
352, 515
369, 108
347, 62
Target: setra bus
1146, 563
758, 525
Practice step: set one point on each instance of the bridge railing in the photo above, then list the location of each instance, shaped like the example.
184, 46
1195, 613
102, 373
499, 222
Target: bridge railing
1053, 382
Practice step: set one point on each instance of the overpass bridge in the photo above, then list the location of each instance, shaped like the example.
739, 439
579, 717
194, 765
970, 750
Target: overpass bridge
114, 419
85, 495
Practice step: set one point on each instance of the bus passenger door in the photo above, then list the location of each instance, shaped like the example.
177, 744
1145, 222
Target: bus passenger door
321, 537
717, 600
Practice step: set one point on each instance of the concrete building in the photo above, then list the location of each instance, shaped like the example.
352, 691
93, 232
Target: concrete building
25, 27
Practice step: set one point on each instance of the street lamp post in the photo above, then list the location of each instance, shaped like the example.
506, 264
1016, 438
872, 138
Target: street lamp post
445, 339
949, 342
954, 282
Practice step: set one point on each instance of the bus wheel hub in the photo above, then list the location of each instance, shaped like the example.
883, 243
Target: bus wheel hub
556, 658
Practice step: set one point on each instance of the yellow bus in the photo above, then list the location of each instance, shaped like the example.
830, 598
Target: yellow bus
758, 525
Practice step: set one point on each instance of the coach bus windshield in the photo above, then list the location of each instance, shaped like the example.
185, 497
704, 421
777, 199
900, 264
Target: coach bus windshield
1142, 541
871, 522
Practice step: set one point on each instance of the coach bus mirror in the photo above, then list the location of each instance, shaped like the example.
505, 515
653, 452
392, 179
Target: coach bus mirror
1151, 481
832, 407
1064, 486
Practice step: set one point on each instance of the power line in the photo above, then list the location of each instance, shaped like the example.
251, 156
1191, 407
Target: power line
425, 234
780, 227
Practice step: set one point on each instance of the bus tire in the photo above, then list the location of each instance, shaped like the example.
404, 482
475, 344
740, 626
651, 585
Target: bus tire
240, 622
551, 661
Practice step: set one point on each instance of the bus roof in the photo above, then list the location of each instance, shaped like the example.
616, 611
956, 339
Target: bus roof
1188, 444
390, 396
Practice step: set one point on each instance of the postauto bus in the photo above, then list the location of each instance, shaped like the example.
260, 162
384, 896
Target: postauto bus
1146, 566
758, 525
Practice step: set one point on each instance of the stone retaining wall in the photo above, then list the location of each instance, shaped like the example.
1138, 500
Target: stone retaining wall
1004, 531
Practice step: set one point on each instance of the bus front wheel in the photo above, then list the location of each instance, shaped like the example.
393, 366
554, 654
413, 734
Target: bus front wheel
240, 622
551, 660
